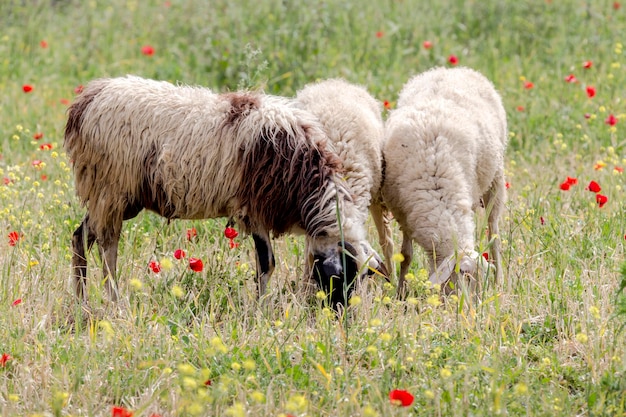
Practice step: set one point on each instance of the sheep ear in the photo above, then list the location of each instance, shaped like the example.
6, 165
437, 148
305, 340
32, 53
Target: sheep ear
443, 271
351, 250
378, 267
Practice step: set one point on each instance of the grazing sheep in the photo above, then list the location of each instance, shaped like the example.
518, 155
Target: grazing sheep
444, 153
188, 153
352, 120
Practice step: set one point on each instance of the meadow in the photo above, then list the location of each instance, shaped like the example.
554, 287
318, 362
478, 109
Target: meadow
190, 340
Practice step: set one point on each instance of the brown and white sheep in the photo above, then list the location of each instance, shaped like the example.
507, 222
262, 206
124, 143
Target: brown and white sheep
444, 151
188, 153
354, 125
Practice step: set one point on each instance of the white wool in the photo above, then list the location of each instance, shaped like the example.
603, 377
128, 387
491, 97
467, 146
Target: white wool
353, 123
444, 152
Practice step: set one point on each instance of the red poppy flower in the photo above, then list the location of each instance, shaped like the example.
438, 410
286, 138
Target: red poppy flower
486, 256
601, 200
13, 238
196, 264
78, 89
43, 43
453, 59
611, 120
16, 302
542, 220
587, 64
386, 105
569, 181
520, 108
507, 185
571, 79
147, 50
528, 85
45, 146
27, 88
64, 101
616, 5
207, 383
192, 233
594, 187
380, 34
155, 266
44, 177
427, 44
38, 136
4, 359
179, 254
120, 412
591, 91
401, 397
6, 180
230, 233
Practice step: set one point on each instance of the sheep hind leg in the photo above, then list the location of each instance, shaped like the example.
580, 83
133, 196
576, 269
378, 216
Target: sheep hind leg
382, 220
109, 268
494, 204
407, 254
79, 258
265, 262
108, 245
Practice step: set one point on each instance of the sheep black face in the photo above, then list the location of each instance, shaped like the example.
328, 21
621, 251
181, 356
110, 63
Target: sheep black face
335, 272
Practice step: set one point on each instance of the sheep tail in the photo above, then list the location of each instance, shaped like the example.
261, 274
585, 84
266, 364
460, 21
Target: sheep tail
76, 113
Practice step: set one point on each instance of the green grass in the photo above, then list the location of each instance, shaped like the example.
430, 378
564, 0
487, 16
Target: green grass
544, 342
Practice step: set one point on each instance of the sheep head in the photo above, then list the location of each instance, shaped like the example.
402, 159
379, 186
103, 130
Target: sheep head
337, 265
335, 269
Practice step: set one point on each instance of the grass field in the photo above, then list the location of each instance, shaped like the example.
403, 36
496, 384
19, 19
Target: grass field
544, 342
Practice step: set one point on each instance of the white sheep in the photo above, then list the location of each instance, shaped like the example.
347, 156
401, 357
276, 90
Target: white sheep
444, 152
188, 153
353, 122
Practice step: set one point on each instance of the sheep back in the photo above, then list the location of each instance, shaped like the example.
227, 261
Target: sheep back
444, 149
353, 122
186, 152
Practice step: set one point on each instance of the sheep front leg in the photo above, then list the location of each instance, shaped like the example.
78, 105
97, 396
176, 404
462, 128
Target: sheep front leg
265, 262
407, 253
310, 286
